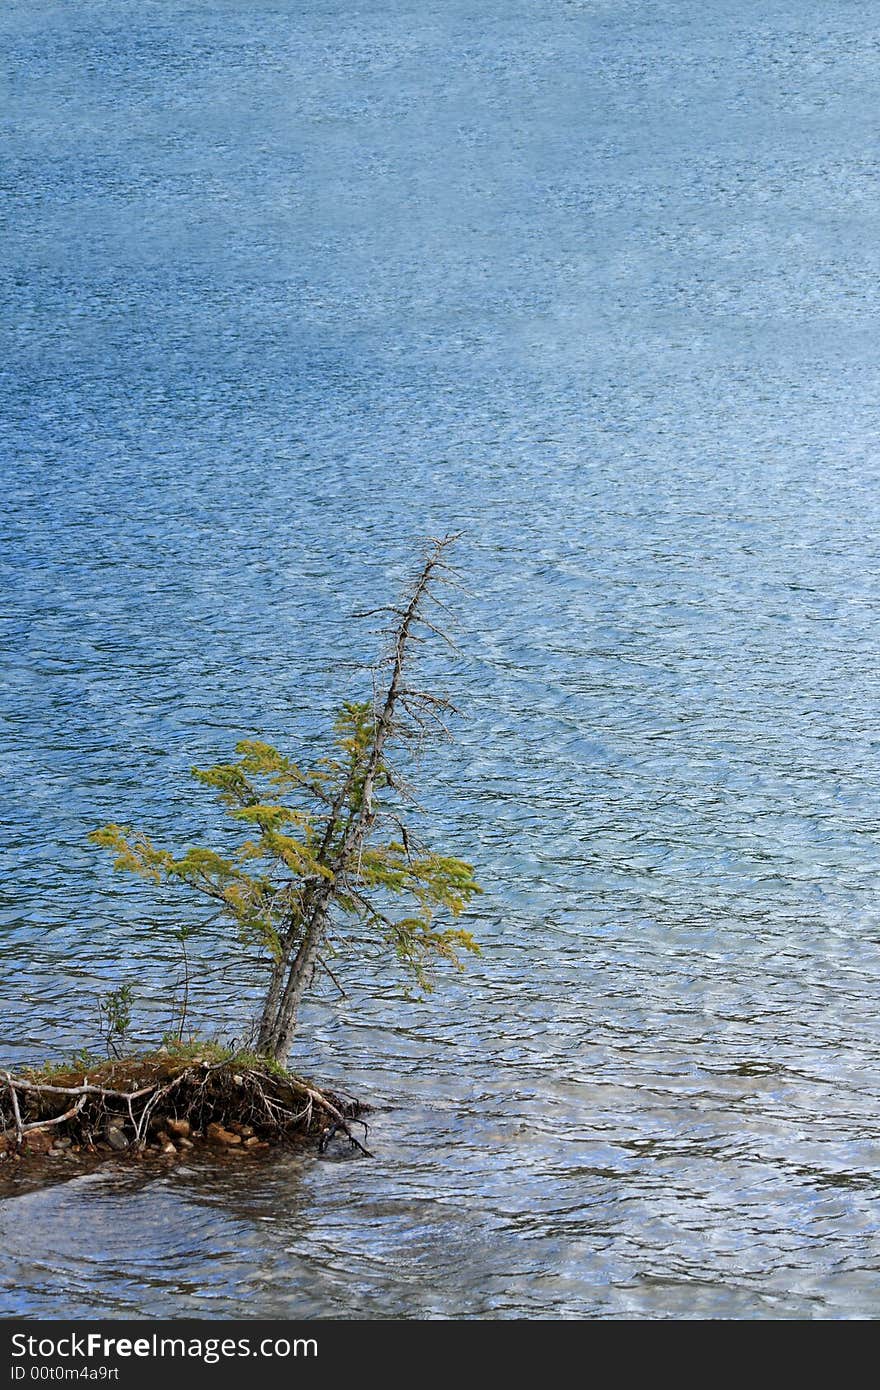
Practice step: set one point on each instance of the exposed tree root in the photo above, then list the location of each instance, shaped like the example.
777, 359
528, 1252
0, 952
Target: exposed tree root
163, 1105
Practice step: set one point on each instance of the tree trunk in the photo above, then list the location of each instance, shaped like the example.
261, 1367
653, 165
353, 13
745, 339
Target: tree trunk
278, 1025
273, 999
279, 1019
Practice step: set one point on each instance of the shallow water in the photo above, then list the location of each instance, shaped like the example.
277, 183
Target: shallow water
285, 288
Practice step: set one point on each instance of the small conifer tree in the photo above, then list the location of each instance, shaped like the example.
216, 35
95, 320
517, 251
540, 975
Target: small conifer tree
327, 846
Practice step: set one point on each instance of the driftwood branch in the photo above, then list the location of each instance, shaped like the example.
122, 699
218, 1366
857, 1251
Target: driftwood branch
86, 1089
57, 1119
16, 1111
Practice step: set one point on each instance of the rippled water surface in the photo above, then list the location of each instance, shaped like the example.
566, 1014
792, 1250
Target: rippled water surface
286, 287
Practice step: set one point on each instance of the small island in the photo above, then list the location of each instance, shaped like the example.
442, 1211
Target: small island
165, 1103
326, 855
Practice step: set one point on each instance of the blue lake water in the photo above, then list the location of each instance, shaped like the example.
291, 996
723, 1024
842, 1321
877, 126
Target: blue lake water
287, 287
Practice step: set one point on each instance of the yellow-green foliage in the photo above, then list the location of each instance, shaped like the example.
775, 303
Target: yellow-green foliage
294, 823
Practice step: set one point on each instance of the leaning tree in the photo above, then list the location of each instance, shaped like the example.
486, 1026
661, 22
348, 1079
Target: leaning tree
329, 850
